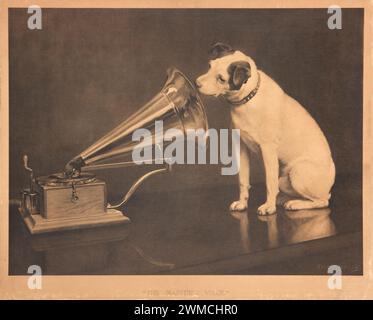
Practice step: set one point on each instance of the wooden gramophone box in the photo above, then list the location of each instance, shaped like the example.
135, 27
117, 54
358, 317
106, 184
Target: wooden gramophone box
59, 201
59, 204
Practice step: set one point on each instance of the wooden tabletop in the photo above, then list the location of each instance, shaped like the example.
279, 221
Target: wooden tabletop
193, 232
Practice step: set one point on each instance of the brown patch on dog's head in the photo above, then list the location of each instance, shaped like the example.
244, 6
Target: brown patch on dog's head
239, 72
219, 50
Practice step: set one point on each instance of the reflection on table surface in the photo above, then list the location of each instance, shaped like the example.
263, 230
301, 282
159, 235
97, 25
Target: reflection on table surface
289, 227
184, 232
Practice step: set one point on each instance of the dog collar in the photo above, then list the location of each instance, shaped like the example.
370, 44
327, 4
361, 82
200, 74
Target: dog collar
249, 96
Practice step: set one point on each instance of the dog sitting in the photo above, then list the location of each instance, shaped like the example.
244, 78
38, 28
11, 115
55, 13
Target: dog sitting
299, 169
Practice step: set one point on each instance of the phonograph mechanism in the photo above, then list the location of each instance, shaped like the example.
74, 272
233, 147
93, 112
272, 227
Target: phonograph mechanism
57, 202
75, 198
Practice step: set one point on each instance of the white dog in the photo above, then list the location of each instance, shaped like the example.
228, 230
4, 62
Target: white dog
295, 152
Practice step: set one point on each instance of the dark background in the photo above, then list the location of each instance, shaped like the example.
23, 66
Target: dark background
89, 69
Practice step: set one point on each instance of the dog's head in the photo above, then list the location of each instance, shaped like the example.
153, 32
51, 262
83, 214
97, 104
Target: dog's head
229, 71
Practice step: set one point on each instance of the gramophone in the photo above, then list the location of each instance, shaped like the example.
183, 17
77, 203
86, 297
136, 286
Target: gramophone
76, 198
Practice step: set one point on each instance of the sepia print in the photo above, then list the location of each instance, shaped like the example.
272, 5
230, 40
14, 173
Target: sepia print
181, 143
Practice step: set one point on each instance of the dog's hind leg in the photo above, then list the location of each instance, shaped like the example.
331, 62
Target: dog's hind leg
312, 182
282, 198
286, 191
298, 204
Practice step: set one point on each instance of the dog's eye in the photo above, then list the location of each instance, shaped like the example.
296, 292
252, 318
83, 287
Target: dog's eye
220, 79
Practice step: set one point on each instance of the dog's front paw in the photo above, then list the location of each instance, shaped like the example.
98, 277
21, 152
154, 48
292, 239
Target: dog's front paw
267, 208
239, 205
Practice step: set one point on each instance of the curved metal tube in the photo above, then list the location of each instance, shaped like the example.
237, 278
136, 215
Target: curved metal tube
136, 184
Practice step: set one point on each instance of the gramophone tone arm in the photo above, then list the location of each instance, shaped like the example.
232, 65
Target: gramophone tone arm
114, 165
136, 184
74, 166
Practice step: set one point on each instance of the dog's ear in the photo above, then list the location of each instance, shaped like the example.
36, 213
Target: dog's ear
239, 72
219, 49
